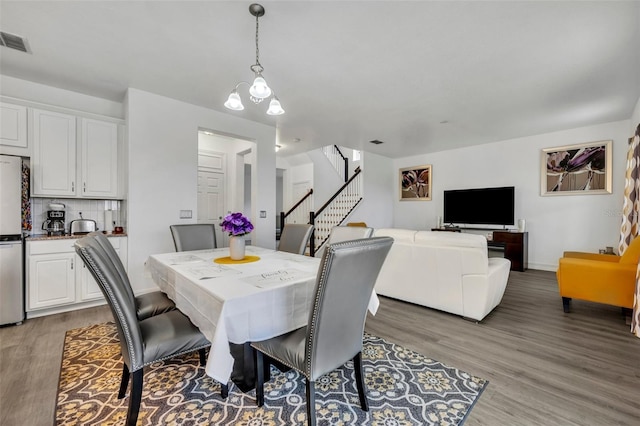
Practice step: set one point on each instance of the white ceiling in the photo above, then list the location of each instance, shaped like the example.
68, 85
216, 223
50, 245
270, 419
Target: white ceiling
420, 76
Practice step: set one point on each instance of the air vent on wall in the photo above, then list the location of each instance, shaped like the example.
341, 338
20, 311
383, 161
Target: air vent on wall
13, 41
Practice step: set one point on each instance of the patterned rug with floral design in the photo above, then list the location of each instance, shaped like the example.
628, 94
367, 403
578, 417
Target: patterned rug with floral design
404, 388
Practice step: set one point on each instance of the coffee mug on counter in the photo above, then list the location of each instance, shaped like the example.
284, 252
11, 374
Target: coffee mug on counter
118, 230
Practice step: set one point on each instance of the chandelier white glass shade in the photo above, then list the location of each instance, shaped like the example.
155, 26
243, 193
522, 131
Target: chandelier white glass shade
274, 107
234, 102
259, 90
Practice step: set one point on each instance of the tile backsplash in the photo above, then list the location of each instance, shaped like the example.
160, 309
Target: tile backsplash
90, 209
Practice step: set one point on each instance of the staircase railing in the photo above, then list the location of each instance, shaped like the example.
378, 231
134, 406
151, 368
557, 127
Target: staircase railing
299, 213
337, 159
335, 211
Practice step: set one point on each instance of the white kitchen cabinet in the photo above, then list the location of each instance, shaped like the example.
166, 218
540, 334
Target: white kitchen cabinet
53, 164
87, 285
99, 154
13, 129
51, 280
89, 289
75, 157
58, 281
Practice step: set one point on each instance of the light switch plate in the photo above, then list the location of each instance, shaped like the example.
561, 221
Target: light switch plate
263, 214
186, 214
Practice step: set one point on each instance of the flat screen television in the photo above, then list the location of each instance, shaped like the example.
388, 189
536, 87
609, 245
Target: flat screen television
482, 206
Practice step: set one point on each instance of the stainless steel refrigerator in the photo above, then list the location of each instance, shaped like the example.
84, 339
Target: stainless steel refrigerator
11, 241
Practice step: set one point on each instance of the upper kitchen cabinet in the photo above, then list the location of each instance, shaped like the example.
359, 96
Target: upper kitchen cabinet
13, 130
53, 164
75, 157
99, 153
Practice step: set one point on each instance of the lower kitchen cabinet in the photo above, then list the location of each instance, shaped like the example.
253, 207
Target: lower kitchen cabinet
51, 280
89, 288
57, 279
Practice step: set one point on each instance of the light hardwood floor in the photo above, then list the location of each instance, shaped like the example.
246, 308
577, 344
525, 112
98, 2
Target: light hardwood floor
544, 367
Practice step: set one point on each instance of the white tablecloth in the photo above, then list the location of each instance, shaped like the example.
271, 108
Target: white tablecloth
238, 303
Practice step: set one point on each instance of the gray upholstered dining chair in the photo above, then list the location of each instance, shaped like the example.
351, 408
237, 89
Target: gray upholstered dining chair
295, 237
147, 304
142, 342
194, 236
333, 334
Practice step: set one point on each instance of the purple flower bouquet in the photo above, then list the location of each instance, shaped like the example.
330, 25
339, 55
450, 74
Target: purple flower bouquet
236, 224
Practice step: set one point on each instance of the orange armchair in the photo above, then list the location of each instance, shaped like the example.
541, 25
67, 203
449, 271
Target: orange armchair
601, 278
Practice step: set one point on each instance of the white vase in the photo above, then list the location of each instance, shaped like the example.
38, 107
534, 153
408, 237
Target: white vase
236, 248
521, 225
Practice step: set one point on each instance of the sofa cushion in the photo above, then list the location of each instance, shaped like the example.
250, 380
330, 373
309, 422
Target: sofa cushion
450, 239
398, 235
467, 251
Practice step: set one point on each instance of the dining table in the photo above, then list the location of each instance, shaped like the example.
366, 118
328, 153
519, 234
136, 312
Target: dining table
235, 302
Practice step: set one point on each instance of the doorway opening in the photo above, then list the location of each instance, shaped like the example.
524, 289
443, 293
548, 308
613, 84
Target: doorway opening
225, 165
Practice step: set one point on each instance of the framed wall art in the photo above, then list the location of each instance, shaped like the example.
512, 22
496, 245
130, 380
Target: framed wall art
576, 169
416, 183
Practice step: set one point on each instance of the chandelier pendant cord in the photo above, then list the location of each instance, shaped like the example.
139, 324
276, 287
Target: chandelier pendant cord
257, 46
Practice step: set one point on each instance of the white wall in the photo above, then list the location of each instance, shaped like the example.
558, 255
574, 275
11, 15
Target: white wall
247, 189
279, 199
27, 90
555, 224
325, 177
293, 175
163, 158
378, 183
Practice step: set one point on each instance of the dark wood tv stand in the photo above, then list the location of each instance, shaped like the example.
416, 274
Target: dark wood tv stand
448, 229
516, 248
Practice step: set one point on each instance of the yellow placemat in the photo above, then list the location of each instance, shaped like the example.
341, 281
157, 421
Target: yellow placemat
228, 261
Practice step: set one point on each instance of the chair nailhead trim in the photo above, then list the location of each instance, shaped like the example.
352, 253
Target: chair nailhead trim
127, 333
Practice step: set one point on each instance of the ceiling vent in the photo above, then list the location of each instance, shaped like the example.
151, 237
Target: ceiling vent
376, 142
13, 41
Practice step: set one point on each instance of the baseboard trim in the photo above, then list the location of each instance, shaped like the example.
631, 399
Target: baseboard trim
543, 266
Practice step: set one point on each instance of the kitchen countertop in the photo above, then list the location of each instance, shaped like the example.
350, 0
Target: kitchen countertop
39, 237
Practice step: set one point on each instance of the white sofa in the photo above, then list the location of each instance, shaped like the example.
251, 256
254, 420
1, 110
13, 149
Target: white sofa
448, 271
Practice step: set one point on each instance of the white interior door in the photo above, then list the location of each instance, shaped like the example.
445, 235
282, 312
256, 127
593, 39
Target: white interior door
211, 202
299, 190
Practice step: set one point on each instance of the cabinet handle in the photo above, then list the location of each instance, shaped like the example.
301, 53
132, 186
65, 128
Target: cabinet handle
73, 187
84, 186
72, 264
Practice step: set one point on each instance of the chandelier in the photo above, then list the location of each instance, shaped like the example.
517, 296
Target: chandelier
259, 90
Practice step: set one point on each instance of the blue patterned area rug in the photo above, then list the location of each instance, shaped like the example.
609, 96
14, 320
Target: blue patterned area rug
404, 388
